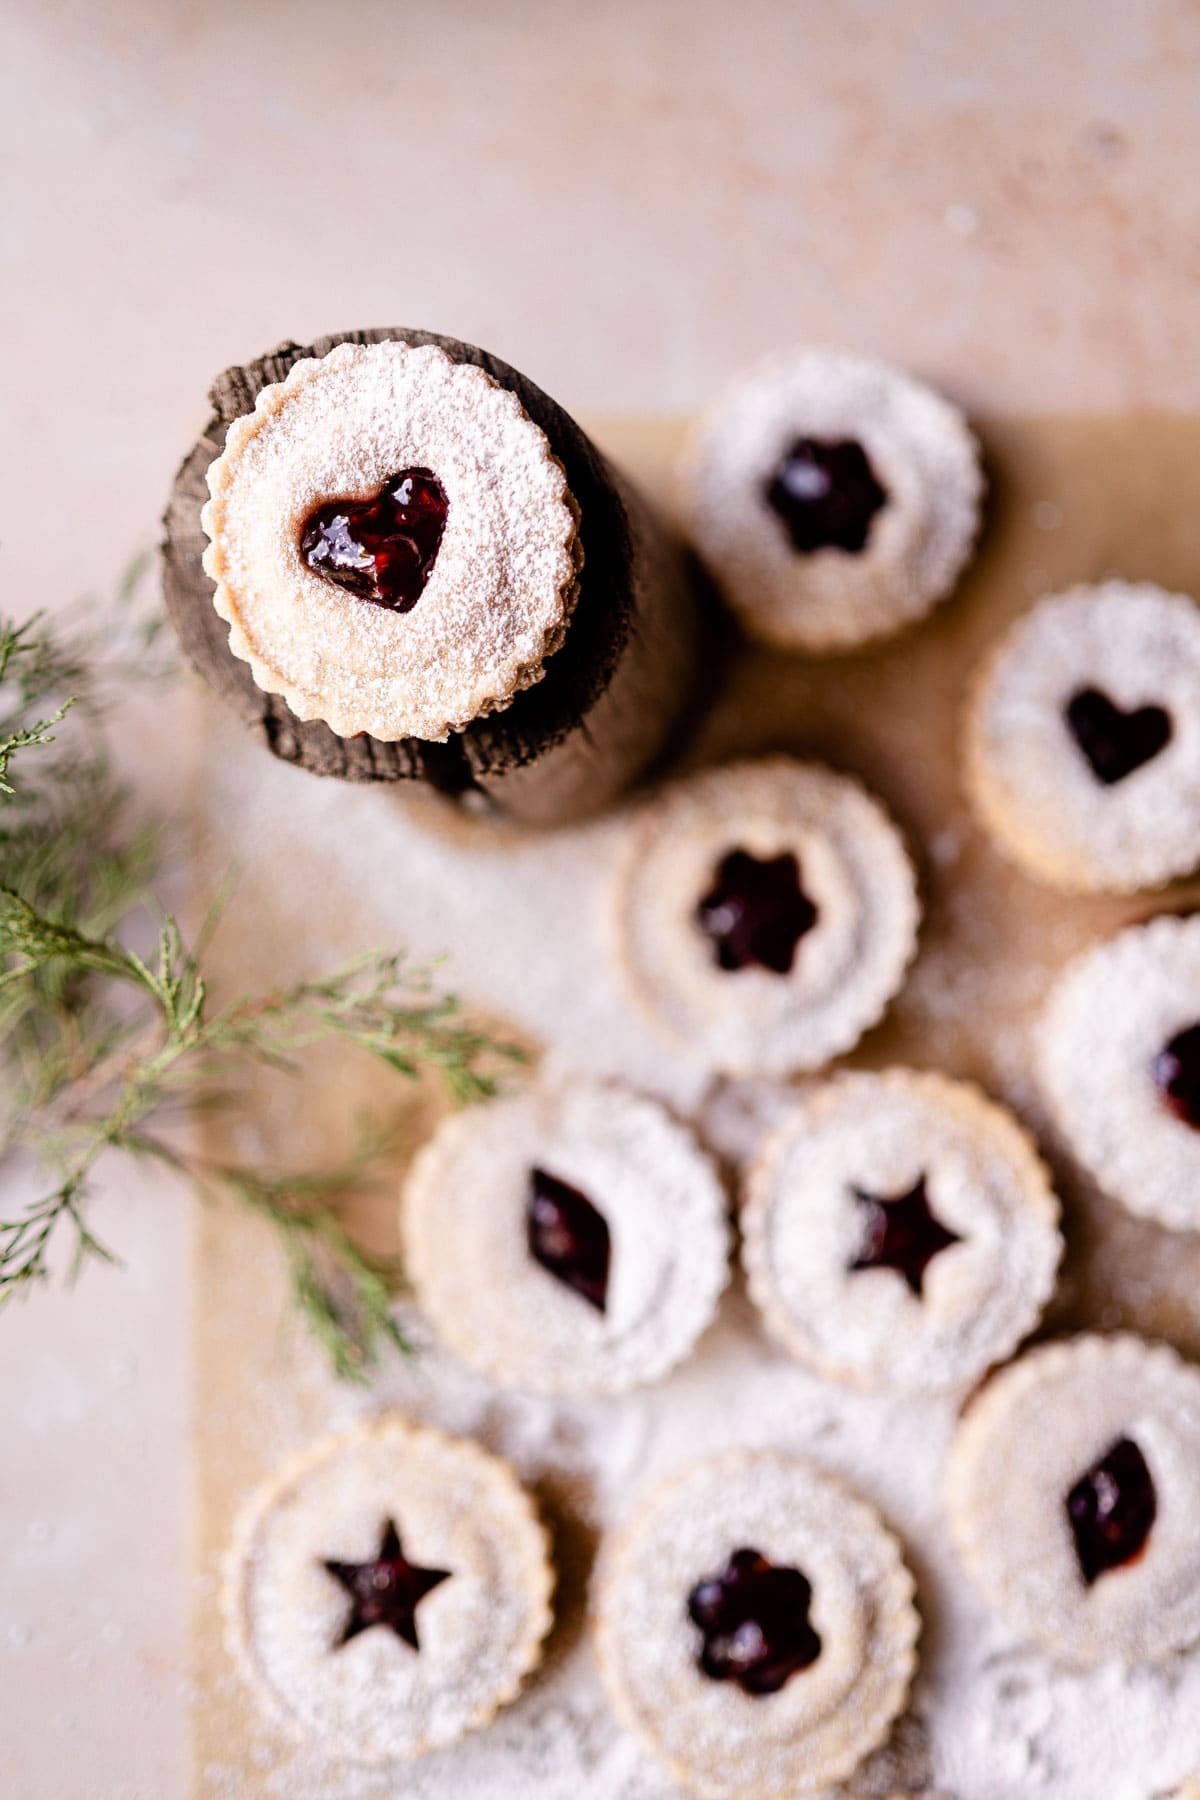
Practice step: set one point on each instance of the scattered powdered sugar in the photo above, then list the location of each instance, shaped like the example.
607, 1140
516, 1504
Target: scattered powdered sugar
1137, 646
991, 1718
919, 448
466, 1238
330, 870
499, 595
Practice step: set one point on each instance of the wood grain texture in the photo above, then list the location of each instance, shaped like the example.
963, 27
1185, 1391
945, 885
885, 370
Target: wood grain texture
540, 718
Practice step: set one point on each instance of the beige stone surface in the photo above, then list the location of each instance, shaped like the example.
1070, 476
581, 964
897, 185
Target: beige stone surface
626, 199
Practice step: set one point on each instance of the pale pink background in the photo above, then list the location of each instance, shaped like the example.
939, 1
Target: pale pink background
626, 199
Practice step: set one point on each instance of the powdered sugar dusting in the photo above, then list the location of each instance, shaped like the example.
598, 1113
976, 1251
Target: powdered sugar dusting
1034, 1431
466, 1252
854, 869
802, 1230
922, 453
500, 592
720, 1741
1137, 646
1112, 1013
331, 870
456, 1510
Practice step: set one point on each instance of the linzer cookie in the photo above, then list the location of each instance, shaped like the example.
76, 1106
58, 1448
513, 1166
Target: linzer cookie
1083, 738
388, 1590
399, 559
567, 1239
833, 499
1074, 1492
766, 913
899, 1230
375, 594
1119, 1055
755, 1627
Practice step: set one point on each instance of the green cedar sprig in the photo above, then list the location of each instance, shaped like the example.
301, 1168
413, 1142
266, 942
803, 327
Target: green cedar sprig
107, 1049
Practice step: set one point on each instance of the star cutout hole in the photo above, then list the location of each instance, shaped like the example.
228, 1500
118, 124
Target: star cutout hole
385, 1591
901, 1232
756, 912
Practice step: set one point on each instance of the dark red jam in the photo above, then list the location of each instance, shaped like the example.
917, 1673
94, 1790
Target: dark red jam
386, 1591
1111, 1509
756, 912
1116, 743
901, 1233
755, 1625
568, 1237
826, 493
1177, 1074
384, 549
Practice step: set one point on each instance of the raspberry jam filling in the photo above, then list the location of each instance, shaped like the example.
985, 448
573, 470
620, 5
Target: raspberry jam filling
755, 1625
1114, 742
826, 494
901, 1233
385, 1591
1111, 1509
756, 912
1177, 1075
568, 1237
384, 549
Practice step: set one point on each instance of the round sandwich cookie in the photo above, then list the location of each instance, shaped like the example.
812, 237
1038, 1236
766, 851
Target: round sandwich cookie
1074, 1496
567, 1239
1119, 1058
766, 913
833, 499
899, 1231
388, 1590
1083, 739
755, 1627
393, 541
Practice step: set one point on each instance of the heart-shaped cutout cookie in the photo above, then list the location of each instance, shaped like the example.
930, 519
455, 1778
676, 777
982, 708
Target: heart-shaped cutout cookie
1115, 742
384, 549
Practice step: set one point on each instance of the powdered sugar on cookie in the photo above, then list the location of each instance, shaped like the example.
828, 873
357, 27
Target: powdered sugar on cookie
821, 1723
972, 1262
920, 467
502, 587
459, 1511
1083, 738
855, 913
661, 1208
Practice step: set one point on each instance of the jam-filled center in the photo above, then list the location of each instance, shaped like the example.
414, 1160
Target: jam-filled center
901, 1232
1115, 742
568, 1237
1177, 1075
756, 912
753, 1618
384, 549
826, 494
385, 1591
1111, 1509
